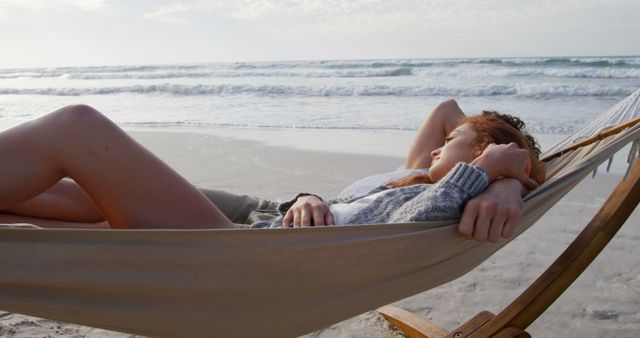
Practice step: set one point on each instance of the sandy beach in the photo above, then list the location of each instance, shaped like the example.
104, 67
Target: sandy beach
603, 302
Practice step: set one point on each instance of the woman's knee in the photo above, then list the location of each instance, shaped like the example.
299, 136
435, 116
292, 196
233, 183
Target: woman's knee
78, 113
82, 117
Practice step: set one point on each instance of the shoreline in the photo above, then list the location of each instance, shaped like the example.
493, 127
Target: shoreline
381, 142
376, 142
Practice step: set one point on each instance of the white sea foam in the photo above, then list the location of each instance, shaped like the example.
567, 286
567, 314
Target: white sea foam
628, 67
526, 90
534, 127
581, 72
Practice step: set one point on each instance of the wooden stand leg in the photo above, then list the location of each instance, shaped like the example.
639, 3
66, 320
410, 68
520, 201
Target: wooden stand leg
512, 332
472, 325
417, 327
410, 324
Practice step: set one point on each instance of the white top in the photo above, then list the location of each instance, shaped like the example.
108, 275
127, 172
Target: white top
342, 212
363, 186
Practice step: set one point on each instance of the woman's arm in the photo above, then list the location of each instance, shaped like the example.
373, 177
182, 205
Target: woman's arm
435, 128
445, 199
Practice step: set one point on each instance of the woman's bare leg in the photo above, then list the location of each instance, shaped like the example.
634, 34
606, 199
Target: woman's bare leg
50, 223
65, 201
131, 186
435, 128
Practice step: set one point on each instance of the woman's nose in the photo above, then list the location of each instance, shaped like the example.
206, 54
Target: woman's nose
435, 152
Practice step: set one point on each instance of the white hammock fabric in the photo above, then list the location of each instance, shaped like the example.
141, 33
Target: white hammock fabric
267, 282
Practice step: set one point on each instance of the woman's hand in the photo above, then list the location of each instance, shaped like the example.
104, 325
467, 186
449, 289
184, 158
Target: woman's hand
308, 211
506, 160
494, 213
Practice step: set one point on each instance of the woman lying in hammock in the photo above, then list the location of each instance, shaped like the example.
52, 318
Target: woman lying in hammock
120, 184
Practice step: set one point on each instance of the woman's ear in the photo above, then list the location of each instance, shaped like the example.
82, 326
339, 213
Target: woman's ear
477, 151
480, 147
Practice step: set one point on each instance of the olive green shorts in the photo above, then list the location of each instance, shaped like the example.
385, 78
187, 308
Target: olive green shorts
242, 209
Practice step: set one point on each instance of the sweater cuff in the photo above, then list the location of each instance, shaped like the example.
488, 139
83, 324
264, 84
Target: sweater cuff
285, 206
468, 177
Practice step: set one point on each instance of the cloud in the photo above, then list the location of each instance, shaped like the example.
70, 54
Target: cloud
254, 9
43, 4
9, 6
87, 4
384, 15
399, 12
167, 14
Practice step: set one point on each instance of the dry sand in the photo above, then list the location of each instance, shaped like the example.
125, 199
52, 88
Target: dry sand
603, 302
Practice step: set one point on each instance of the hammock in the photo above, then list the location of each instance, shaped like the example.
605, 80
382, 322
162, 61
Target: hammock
267, 282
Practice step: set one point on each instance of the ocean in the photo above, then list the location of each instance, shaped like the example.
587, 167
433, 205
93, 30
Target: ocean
554, 95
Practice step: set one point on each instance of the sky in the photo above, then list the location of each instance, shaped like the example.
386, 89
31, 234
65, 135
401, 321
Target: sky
49, 33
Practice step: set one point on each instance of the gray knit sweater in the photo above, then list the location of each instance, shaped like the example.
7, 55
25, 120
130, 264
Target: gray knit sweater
443, 200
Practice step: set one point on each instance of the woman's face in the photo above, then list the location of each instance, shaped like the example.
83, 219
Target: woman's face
459, 146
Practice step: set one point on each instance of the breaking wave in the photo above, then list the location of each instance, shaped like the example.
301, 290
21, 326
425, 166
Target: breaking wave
533, 90
620, 67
